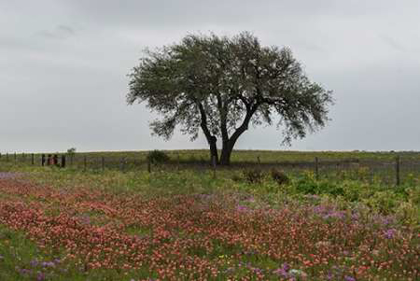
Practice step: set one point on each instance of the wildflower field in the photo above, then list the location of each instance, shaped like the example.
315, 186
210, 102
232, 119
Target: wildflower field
68, 224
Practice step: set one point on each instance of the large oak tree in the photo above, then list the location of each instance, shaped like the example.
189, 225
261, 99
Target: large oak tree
222, 85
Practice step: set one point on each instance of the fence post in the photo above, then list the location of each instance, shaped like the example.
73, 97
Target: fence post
103, 163
63, 161
177, 161
84, 163
397, 170
15, 157
32, 159
149, 167
214, 164
7, 157
122, 164
316, 169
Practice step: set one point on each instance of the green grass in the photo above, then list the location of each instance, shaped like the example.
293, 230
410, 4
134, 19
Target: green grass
331, 163
349, 189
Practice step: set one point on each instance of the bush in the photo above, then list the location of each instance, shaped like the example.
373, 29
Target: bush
157, 157
279, 176
253, 175
383, 202
308, 185
236, 178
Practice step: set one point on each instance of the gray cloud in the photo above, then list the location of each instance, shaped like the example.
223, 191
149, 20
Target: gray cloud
63, 72
59, 32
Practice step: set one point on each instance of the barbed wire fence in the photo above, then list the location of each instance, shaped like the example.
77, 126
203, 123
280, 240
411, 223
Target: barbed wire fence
397, 171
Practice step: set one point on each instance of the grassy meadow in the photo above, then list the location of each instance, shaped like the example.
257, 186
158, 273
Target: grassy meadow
266, 219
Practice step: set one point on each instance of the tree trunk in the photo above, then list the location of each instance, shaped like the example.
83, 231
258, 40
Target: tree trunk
226, 152
213, 149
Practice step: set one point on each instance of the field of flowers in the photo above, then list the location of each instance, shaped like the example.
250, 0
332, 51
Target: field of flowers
70, 225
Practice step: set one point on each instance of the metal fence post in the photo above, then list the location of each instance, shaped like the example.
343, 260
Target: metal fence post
177, 161
397, 170
122, 164
149, 166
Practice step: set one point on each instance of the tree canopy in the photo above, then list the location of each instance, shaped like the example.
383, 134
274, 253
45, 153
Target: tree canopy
222, 85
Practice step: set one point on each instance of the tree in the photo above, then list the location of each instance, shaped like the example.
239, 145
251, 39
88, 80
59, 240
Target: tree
221, 85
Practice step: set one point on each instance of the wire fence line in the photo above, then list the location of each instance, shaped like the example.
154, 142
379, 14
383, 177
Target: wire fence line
400, 170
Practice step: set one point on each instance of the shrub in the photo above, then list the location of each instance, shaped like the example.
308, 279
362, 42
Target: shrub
279, 176
308, 185
236, 178
383, 202
157, 157
253, 175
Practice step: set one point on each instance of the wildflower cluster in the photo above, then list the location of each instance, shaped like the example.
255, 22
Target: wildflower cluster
204, 237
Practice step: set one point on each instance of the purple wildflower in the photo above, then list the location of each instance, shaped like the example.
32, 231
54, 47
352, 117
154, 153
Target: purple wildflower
40, 277
349, 278
241, 208
283, 271
390, 233
48, 264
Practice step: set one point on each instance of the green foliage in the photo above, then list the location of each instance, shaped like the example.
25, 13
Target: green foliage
382, 201
221, 85
308, 185
157, 157
279, 176
253, 176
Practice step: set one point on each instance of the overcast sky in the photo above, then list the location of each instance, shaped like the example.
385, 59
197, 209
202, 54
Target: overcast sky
63, 67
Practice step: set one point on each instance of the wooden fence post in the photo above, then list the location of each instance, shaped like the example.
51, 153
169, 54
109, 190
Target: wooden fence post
15, 157
397, 170
103, 163
316, 169
149, 166
84, 163
32, 159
